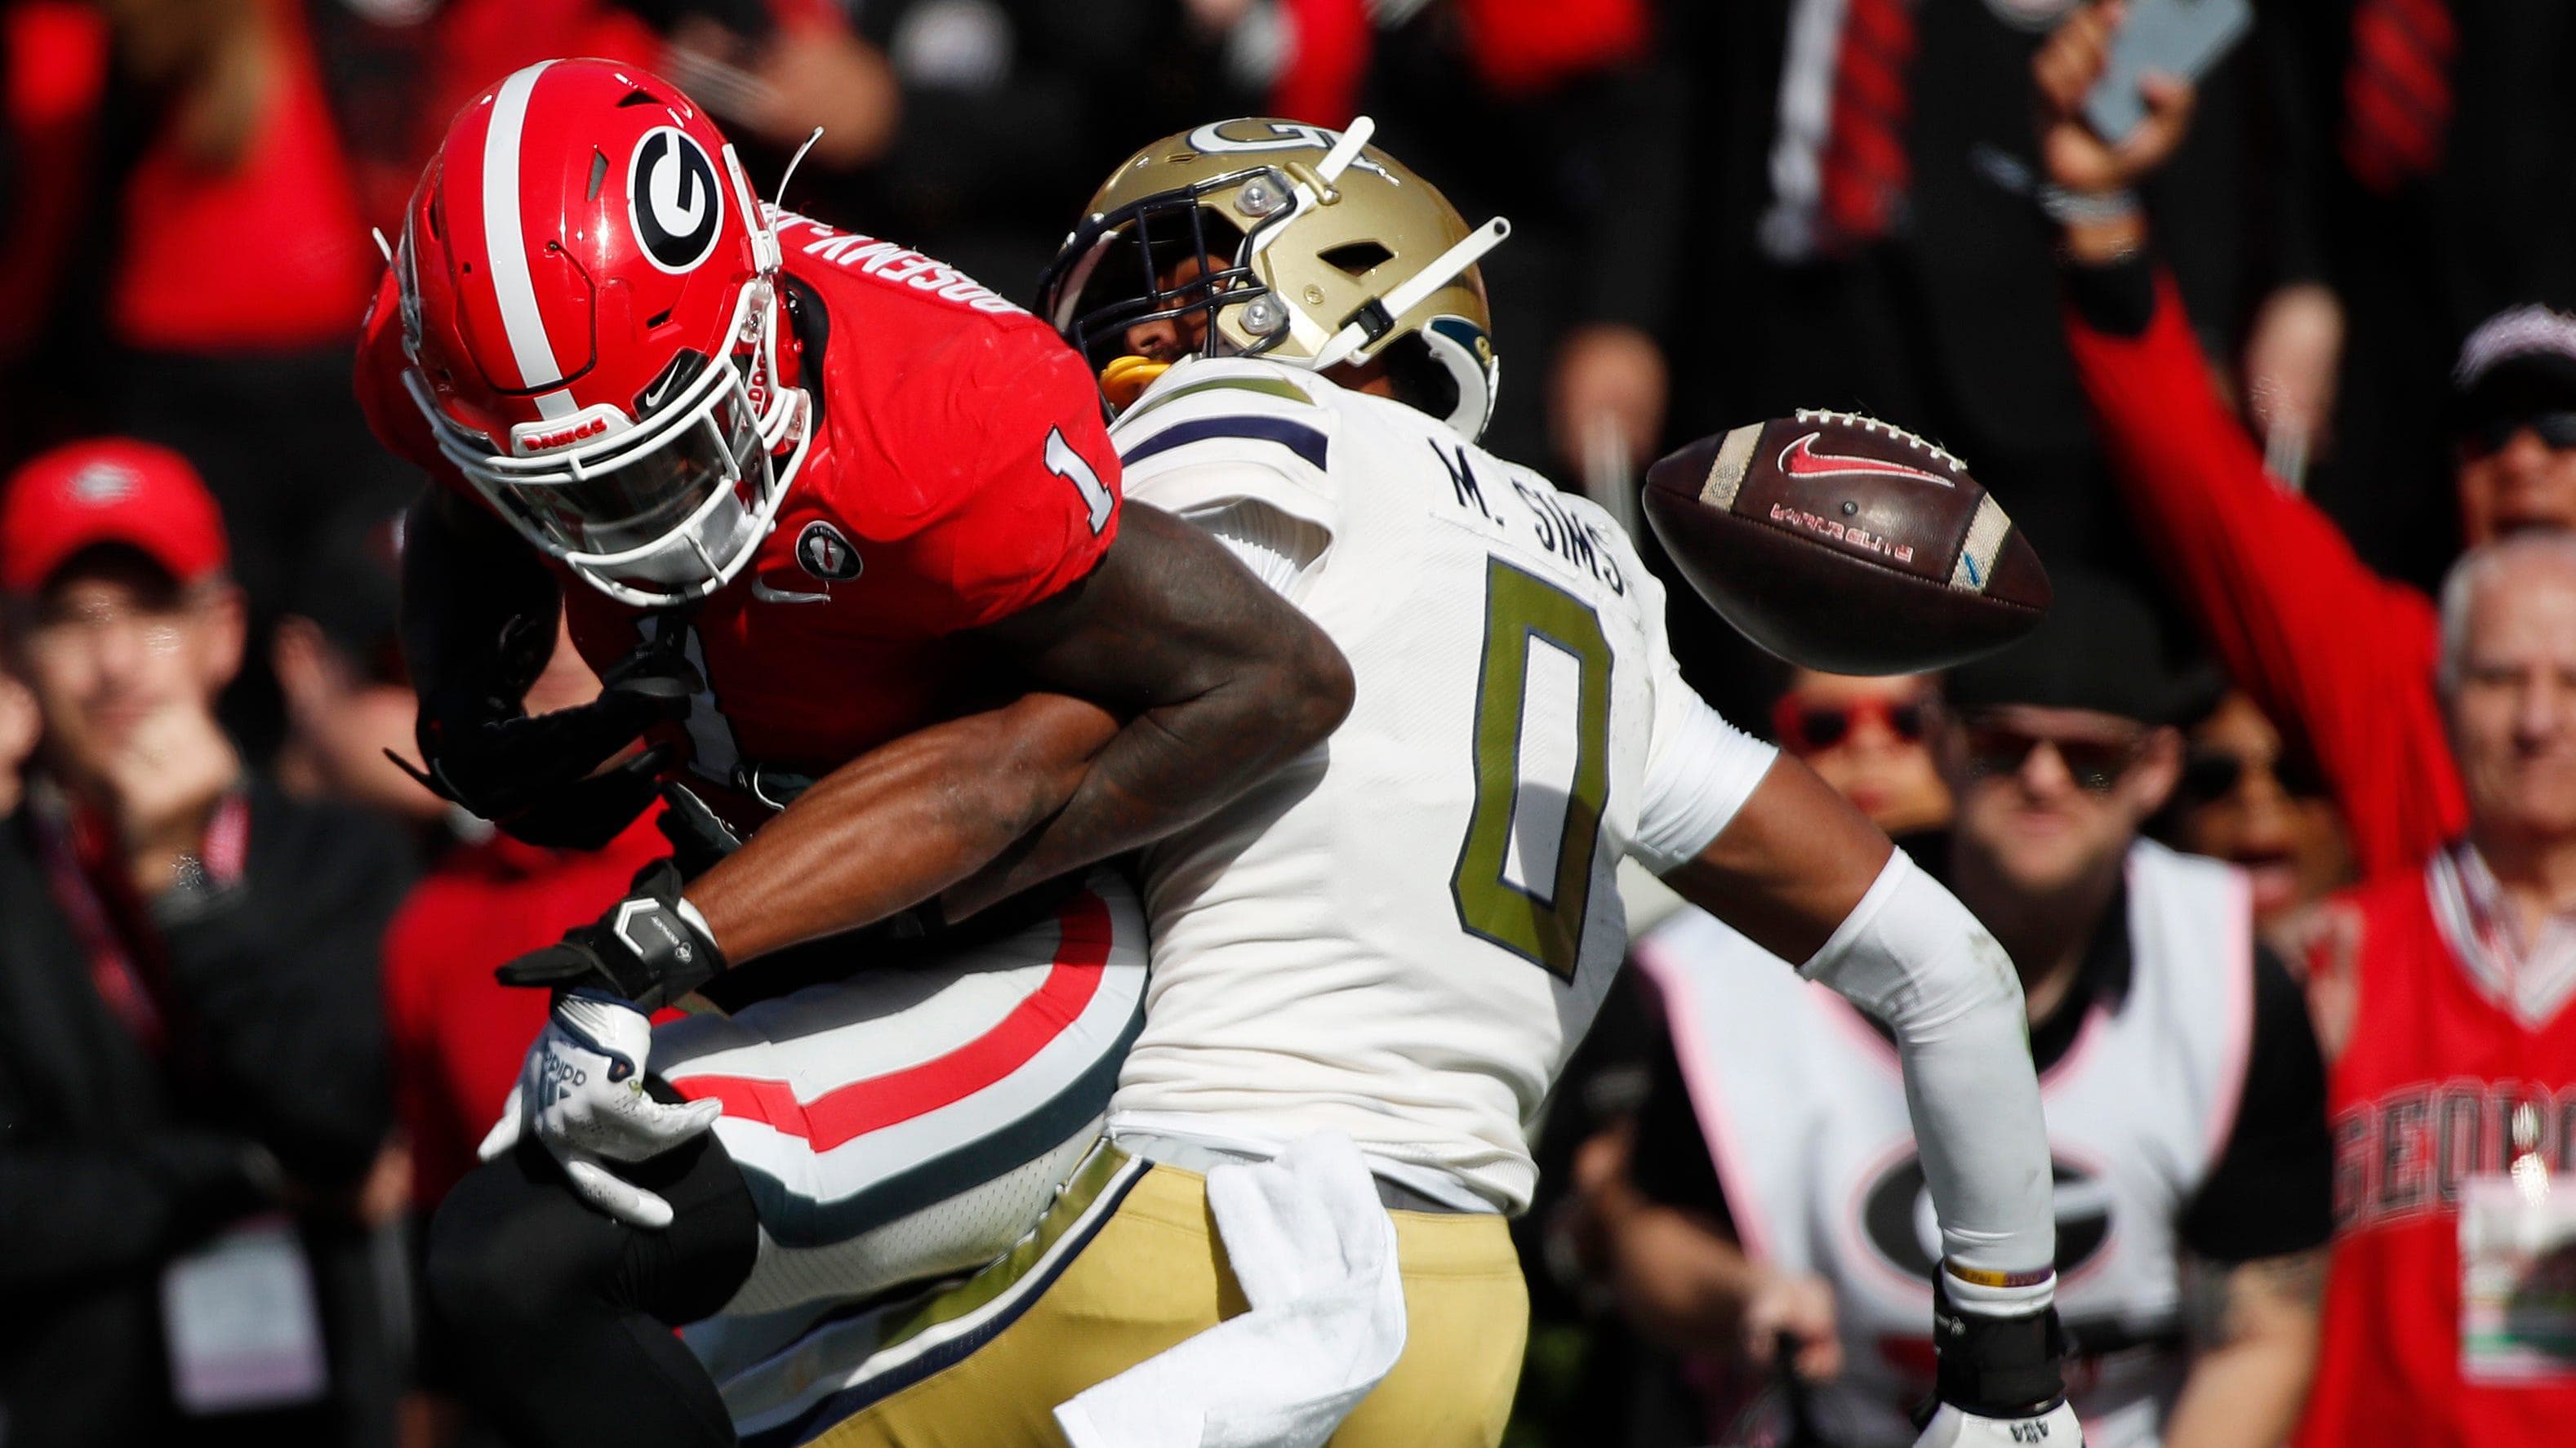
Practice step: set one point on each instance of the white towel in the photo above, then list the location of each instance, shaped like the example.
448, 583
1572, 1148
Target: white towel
1315, 1254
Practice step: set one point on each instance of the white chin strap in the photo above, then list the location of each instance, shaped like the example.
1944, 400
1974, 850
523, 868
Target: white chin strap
1352, 342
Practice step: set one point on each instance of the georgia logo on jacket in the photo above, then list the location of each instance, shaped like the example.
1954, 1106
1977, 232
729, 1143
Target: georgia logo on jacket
1896, 1217
677, 206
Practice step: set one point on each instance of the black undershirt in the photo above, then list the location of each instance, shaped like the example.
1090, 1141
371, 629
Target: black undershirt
2270, 1192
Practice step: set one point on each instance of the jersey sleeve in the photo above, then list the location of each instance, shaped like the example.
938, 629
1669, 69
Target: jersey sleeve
1212, 435
1699, 769
1277, 548
1041, 503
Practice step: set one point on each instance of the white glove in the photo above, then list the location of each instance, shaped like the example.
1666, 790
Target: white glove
581, 1094
1954, 1427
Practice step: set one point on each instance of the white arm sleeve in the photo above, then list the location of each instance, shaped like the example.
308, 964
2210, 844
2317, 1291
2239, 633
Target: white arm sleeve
1911, 955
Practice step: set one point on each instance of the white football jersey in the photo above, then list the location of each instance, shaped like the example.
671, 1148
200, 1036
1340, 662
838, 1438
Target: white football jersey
1403, 935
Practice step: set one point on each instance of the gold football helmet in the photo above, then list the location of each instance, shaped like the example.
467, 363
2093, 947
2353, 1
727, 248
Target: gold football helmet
1257, 237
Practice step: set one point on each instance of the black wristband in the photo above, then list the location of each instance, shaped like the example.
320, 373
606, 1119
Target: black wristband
653, 948
650, 949
1997, 1367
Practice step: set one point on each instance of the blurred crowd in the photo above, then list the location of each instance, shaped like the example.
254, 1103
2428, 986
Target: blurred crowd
2282, 385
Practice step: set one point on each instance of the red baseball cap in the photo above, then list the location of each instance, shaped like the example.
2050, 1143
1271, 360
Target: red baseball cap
107, 490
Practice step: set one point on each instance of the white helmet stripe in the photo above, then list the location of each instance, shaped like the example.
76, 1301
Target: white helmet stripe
507, 245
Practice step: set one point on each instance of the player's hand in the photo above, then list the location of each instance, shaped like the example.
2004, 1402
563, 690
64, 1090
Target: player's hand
650, 949
499, 761
2064, 70
581, 1095
1793, 1309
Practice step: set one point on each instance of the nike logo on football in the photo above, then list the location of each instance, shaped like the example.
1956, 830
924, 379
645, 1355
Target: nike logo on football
1800, 460
766, 594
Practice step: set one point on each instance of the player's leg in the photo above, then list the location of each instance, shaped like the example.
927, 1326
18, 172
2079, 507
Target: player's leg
1466, 1312
912, 1121
556, 1319
1123, 1266
1127, 1265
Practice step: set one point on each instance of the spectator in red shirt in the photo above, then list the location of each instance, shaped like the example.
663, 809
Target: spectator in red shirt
2327, 648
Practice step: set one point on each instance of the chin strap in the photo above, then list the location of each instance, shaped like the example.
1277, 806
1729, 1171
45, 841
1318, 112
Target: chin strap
1364, 328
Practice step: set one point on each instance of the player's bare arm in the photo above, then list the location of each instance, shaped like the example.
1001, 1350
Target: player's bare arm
1790, 867
901, 823
1228, 681
2254, 1325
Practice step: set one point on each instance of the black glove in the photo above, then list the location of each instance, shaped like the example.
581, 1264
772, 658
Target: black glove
490, 755
646, 950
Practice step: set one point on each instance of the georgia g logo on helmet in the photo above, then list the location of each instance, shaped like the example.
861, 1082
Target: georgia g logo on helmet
678, 206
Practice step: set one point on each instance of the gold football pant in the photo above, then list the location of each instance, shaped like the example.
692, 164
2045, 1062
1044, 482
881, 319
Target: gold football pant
1127, 1264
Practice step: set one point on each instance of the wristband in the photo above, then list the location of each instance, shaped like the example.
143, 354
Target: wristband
1997, 1367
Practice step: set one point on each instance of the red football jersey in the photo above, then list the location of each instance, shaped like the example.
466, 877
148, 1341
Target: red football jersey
2422, 1094
960, 472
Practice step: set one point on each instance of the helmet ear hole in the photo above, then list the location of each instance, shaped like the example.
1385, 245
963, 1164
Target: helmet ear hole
1356, 258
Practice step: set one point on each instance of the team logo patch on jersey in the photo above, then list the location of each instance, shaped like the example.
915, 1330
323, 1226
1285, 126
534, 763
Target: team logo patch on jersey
823, 552
678, 207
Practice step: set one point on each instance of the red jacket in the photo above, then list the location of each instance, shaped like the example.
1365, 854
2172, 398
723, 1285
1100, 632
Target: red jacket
457, 1034
2329, 649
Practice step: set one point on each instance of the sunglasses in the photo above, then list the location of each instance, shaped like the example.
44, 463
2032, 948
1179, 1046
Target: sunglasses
2556, 431
2214, 774
1804, 728
2096, 764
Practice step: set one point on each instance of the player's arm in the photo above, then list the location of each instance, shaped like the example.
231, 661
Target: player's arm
1220, 681
900, 824
1802, 873
1188, 681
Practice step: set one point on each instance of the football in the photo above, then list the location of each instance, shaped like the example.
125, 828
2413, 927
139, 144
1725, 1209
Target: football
1842, 543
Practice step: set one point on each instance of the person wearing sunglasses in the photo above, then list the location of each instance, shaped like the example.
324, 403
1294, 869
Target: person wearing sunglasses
2249, 798
1865, 737
2340, 656
1772, 1187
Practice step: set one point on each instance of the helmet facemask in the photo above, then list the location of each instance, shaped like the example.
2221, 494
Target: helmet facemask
661, 511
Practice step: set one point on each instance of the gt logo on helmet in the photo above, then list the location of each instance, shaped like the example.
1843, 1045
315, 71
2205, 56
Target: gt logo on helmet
1284, 136
678, 206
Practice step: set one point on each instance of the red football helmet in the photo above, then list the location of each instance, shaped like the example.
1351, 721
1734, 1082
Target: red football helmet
590, 306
